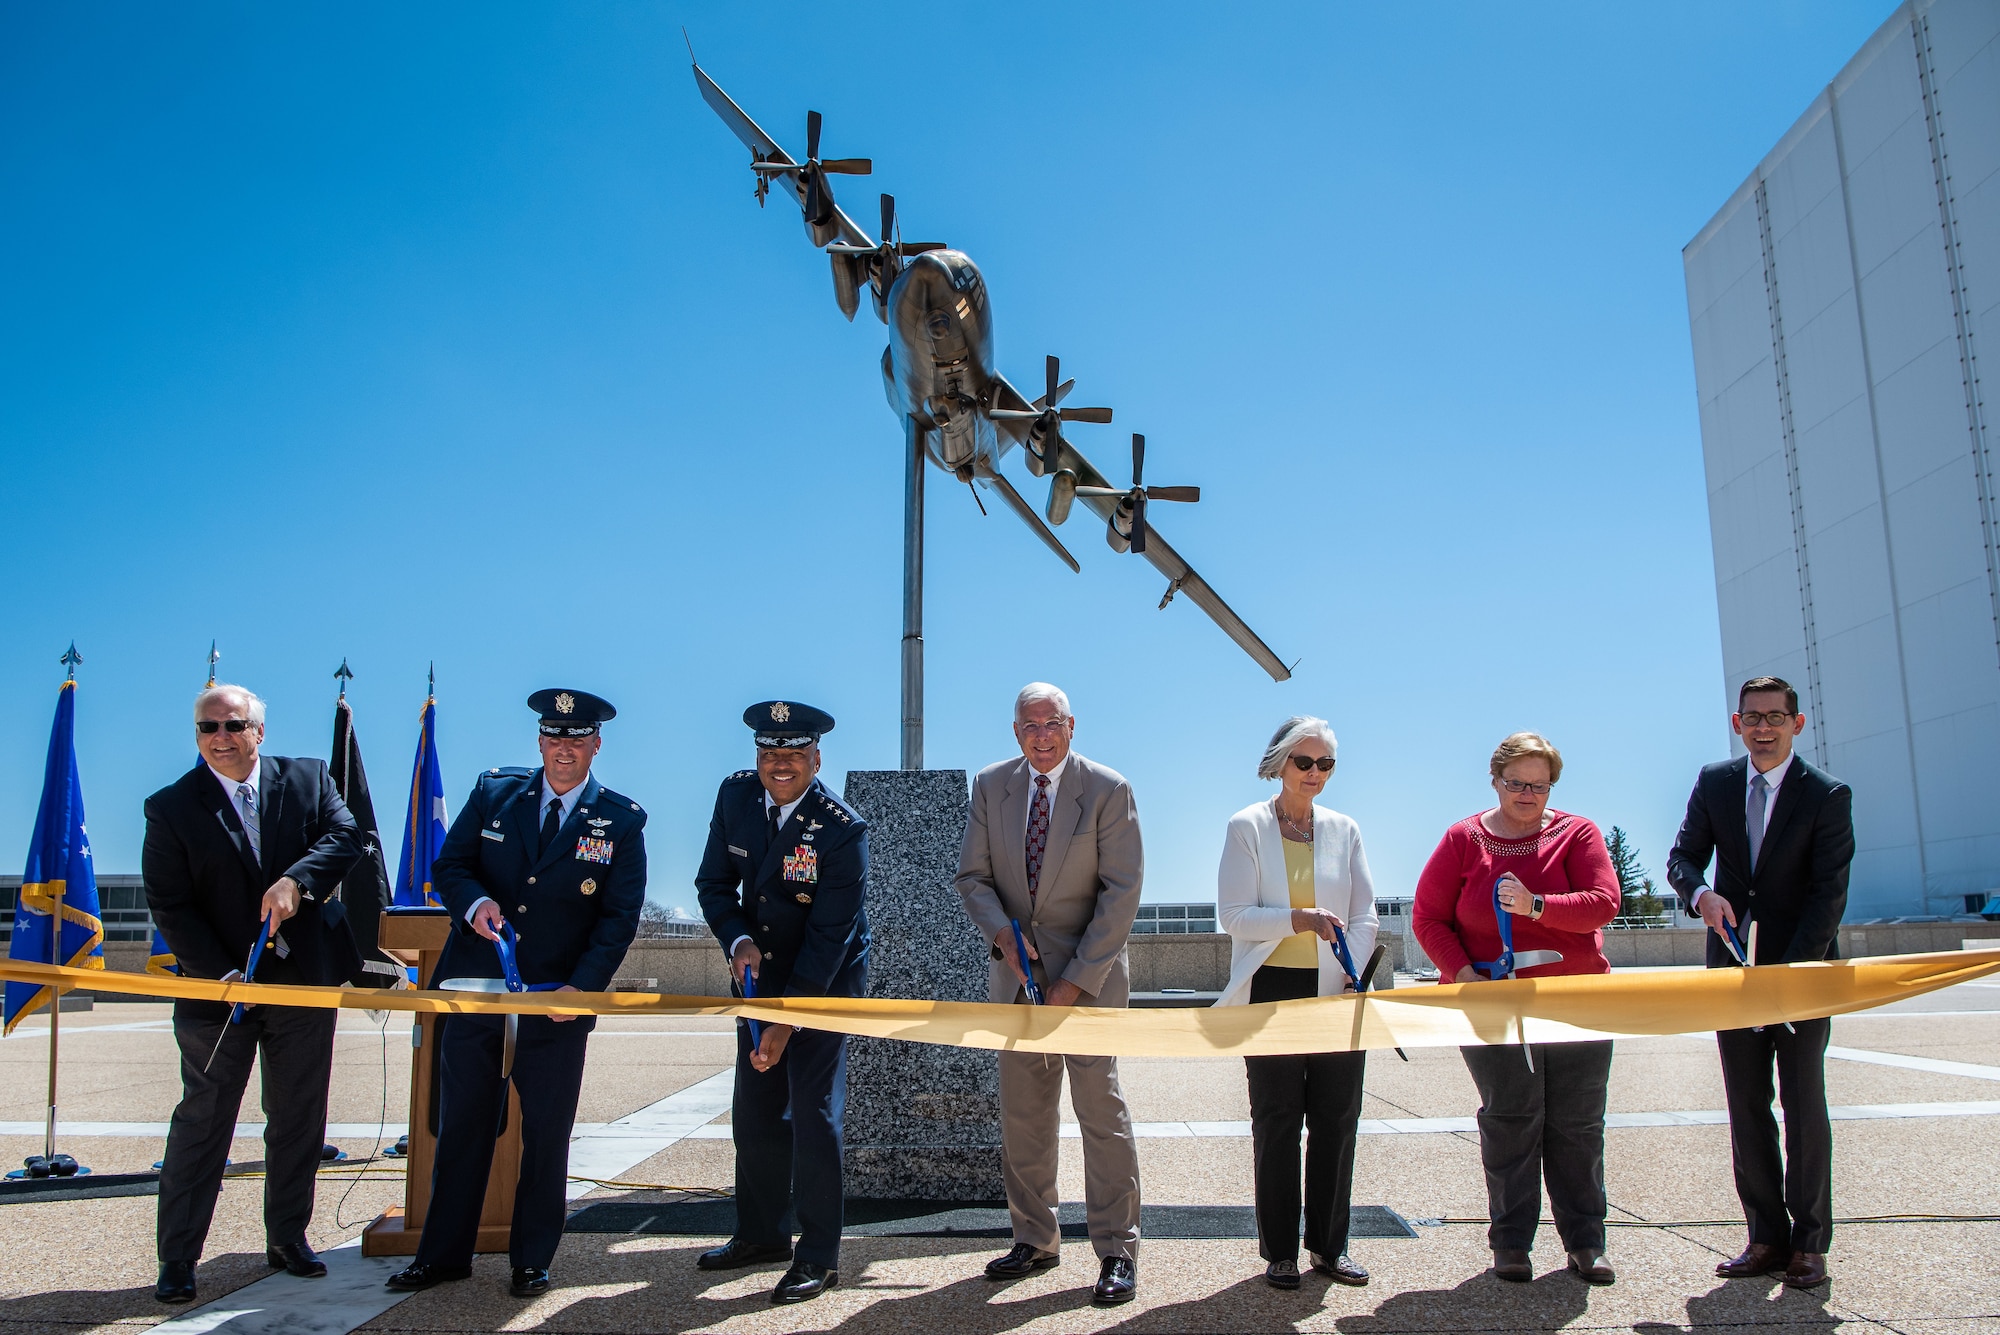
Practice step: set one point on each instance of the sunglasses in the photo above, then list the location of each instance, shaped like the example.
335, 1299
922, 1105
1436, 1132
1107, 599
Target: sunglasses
209, 725
1304, 763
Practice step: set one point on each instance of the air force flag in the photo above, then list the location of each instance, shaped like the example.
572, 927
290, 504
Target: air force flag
59, 871
423, 832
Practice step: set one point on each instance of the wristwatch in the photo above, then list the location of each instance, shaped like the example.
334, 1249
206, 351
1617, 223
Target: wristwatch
1534, 906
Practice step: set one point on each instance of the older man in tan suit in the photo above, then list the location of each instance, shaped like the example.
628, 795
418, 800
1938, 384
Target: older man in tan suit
1053, 844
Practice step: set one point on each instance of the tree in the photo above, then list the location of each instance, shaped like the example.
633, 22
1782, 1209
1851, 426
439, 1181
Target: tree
1637, 895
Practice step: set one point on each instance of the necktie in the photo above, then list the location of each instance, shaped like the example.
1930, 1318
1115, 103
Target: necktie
1038, 833
772, 819
246, 803
551, 823
1758, 788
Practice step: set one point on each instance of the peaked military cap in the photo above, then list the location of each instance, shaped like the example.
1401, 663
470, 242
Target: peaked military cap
571, 713
787, 723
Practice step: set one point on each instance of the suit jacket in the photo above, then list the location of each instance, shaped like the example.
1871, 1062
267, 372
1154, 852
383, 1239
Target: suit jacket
800, 897
1798, 891
206, 888
1092, 870
574, 905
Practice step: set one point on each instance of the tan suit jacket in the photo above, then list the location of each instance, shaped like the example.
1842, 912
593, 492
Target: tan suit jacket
1082, 912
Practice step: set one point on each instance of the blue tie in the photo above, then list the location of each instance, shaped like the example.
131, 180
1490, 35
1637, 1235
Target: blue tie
1758, 787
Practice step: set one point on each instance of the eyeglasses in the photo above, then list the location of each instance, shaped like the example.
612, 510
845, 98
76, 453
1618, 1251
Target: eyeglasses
1053, 726
209, 725
1776, 718
1517, 786
1305, 763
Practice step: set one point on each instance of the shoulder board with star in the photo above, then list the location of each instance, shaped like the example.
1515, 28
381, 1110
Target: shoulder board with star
835, 808
506, 772
618, 800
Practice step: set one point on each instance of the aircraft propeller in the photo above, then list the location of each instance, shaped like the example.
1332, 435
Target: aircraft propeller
1048, 418
818, 201
886, 259
1133, 501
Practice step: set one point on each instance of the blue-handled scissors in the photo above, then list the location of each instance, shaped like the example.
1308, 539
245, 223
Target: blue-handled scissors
1345, 956
1027, 970
749, 992
264, 933
1509, 962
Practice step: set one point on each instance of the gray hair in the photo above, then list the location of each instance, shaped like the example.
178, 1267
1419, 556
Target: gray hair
1041, 690
253, 707
1289, 734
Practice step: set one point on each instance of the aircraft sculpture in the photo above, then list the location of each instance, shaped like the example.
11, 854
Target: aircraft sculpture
957, 410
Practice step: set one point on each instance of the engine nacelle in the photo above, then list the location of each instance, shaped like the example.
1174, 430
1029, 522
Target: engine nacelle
847, 275
1120, 538
1062, 495
1040, 446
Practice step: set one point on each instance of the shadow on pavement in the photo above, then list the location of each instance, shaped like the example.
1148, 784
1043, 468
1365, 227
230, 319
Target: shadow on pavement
57, 1309
1763, 1301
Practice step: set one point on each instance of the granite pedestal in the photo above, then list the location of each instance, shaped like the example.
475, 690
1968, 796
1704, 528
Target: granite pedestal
923, 1122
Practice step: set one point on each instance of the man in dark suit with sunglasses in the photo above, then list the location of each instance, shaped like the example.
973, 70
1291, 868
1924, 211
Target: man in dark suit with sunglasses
244, 844
1781, 833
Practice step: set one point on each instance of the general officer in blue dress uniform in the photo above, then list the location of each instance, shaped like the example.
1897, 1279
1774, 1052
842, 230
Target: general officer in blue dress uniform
562, 859
781, 885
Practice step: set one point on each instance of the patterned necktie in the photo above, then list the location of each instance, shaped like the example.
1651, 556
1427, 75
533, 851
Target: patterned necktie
1758, 787
253, 826
551, 823
1038, 833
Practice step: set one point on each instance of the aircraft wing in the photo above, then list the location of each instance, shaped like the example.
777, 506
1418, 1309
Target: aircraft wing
1181, 577
1004, 395
765, 149
996, 481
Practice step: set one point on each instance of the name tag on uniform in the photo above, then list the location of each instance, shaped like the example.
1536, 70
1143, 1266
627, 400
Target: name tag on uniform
802, 864
494, 835
739, 852
592, 849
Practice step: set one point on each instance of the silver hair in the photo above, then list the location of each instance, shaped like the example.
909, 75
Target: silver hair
253, 706
1041, 690
1293, 731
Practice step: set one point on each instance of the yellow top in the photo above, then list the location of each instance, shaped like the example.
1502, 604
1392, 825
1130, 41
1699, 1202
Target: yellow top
1301, 949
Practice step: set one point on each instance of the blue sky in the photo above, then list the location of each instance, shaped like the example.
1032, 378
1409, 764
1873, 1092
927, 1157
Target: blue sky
451, 333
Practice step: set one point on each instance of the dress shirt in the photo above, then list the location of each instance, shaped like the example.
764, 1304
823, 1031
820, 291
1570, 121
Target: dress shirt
784, 817
545, 796
229, 785
1772, 778
1054, 777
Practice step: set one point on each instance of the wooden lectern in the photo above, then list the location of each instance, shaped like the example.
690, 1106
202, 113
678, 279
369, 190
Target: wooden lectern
418, 939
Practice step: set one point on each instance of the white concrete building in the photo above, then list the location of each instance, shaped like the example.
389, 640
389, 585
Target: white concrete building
1840, 303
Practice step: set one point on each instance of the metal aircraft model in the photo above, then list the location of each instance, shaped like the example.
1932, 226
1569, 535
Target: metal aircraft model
958, 411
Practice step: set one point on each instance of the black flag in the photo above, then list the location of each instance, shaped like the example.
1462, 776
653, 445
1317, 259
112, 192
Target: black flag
365, 889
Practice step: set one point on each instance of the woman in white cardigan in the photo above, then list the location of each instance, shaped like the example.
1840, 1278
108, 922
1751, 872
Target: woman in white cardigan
1292, 872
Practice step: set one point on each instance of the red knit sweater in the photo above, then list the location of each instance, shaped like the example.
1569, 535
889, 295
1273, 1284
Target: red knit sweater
1565, 864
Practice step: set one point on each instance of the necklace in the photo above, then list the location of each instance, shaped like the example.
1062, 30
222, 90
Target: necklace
1300, 833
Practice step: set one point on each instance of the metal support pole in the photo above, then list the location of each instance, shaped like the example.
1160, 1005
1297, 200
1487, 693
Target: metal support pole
55, 1024
913, 594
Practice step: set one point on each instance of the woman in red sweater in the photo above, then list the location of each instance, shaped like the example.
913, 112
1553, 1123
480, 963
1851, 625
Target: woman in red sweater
1542, 1116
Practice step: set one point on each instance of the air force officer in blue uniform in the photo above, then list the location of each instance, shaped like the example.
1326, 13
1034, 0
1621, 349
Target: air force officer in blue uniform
781, 885
563, 859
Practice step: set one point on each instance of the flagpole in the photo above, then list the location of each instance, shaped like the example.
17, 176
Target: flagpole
69, 660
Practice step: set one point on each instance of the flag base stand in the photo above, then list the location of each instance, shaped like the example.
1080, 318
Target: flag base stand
86, 1185
52, 1171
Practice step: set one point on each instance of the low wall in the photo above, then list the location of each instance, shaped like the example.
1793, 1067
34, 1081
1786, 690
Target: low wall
1200, 961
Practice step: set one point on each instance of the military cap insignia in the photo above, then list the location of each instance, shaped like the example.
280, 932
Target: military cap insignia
780, 711
589, 886
565, 703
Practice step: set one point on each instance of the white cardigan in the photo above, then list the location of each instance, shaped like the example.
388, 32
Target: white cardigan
1253, 895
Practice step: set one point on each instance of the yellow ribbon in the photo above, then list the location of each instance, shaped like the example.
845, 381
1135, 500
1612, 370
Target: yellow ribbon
1535, 1010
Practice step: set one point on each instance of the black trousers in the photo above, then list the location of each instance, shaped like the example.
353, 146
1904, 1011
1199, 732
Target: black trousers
788, 1125
1788, 1199
295, 1045
548, 1073
1547, 1123
1319, 1093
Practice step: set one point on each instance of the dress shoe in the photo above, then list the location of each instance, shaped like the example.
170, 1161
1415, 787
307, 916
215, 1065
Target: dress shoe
1512, 1264
736, 1253
1282, 1274
1022, 1260
1807, 1270
412, 1278
296, 1258
530, 1281
1759, 1258
1588, 1264
1341, 1270
176, 1282
1117, 1281
804, 1282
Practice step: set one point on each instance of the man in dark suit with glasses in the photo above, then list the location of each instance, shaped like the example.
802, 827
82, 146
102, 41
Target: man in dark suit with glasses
1781, 833
243, 844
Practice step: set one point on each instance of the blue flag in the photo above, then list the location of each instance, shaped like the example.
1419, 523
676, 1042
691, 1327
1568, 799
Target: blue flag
58, 866
161, 958
424, 819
